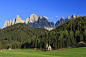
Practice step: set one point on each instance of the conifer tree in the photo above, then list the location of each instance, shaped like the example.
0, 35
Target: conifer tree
85, 34
81, 37
58, 44
0, 45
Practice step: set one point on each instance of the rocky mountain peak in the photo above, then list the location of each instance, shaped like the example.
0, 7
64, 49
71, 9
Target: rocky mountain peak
7, 23
73, 16
17, 16
18, 19
14, 20
62, 18
33, 18
35, 22
32, 21
77, 16
40, 17
27, 20
68, 17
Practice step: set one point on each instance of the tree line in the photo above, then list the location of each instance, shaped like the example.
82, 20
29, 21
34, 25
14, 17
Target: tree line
16, 36
63, 36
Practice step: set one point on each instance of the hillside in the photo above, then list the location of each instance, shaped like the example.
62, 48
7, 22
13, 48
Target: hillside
16, 35
63, 36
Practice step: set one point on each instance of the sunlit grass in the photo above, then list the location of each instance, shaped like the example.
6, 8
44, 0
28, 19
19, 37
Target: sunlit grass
71, 52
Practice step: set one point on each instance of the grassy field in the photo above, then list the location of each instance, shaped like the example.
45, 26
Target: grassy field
71, 52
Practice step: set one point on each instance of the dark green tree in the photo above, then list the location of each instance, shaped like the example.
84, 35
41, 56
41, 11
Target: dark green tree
0, 45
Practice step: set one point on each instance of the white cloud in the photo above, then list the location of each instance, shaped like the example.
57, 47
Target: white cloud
56, 16
46, 17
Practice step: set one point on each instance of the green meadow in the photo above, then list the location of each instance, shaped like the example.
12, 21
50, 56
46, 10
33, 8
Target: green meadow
70, 52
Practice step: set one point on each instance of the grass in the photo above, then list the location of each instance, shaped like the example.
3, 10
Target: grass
71, 52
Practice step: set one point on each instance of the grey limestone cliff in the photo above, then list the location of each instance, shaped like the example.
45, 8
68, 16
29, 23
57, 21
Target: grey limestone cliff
73, 16
15, 20
62, 20
19, 20
32, 21
38, 22
68, 17
7, 23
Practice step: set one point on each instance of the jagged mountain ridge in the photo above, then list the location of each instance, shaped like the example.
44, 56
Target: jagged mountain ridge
35, 22
64, 36
32, 21
62, 20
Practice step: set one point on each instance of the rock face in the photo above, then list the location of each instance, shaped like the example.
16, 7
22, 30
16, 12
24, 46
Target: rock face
19, 20
68, 17
14, 21
33, 18
40, 17
35, 22
57, 23
27, 21
32, 21
62, 20
41, 22
73, 16
7, 23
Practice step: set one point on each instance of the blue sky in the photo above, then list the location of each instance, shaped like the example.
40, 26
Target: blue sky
53, 9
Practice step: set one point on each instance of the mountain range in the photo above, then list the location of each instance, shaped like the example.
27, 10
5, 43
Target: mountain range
35, 22
66, 35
